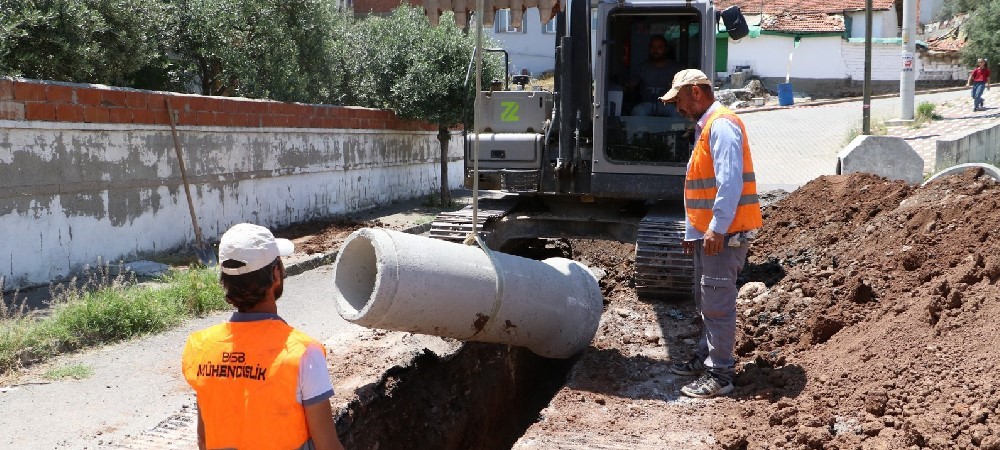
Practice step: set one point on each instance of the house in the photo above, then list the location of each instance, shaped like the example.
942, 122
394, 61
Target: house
819, 46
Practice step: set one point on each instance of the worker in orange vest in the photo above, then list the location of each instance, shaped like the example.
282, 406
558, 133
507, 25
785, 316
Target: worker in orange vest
721, 212
261, 384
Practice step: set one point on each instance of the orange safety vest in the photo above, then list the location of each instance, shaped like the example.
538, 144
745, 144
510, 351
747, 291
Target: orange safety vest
700, 187
246, 375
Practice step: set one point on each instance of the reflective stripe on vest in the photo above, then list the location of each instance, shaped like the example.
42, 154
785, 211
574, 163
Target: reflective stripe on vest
246, 376
700, 188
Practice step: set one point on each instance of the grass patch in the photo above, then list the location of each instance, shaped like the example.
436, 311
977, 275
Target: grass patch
877, 128
424, 219
107, 309
74, 371
925, 113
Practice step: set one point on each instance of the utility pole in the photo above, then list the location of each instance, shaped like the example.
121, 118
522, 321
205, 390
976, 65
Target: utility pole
866, 104
907, 78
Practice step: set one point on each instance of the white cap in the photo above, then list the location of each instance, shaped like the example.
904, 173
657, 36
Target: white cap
252, 245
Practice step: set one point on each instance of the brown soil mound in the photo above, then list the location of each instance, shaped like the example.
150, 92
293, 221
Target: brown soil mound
883, 332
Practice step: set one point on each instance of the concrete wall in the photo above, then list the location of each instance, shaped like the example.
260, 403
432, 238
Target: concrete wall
89, 172
981, 146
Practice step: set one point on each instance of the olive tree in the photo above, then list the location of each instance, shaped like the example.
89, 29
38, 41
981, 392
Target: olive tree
420, 71
983, 41
278, 49
95, 41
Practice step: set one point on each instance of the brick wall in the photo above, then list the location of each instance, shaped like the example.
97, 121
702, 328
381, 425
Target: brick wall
32, 100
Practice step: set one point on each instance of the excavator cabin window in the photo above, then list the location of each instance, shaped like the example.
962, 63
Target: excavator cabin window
646, 50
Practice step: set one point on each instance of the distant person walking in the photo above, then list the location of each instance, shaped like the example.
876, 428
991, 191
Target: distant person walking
979, 79
721, 209
261, 384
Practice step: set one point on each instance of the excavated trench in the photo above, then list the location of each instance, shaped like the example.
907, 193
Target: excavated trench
484, 397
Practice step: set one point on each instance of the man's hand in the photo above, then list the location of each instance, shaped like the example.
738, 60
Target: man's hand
713, 243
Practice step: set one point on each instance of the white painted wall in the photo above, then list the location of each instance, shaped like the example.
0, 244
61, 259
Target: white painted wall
767, 56
884, 24
531, 49
887, 61
73, 193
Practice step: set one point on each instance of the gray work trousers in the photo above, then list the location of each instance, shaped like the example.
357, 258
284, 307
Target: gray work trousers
715, 295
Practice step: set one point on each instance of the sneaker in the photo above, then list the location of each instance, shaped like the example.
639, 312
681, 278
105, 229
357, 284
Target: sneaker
694, 366
707, 386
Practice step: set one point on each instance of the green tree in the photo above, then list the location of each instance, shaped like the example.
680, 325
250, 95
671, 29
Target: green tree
95, 41
278, 49
984, 40
419, 71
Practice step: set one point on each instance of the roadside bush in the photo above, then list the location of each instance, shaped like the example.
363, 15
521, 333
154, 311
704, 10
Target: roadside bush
107, 310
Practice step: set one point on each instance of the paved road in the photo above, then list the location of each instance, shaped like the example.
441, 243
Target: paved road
794, 145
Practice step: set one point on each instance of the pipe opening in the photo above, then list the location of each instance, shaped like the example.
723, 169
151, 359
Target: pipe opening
356, 281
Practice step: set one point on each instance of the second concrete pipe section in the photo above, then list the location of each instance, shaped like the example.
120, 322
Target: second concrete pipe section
398, 281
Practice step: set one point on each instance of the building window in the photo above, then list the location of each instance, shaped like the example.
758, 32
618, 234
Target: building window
550, 27
503, 24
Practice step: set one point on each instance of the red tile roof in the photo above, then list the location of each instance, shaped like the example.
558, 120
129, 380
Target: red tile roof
783, 6
813, 22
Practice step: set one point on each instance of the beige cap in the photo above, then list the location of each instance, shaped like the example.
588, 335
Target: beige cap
686, 77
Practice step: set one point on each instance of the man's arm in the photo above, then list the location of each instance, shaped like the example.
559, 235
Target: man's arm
322, 430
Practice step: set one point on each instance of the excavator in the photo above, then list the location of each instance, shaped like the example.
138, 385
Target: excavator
582, 161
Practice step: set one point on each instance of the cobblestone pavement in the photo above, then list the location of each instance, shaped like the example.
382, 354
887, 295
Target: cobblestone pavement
956, 119
793, 145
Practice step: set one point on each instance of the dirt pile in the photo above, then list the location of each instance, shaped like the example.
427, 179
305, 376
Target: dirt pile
882, 331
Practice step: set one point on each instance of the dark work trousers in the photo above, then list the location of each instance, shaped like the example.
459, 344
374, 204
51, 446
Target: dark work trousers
715, 295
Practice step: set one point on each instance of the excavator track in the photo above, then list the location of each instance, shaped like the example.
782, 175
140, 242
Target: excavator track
454, 226
661, 267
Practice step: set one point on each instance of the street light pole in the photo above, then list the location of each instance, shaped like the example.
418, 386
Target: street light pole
906, 79
866, 104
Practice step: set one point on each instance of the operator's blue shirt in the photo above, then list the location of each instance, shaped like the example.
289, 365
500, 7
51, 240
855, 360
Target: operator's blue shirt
726, 145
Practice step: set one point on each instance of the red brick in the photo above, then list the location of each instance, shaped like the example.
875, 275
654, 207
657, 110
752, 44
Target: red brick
69, 113
232, 105
136, 99
185, 117
197, 104
55, 93
142, 116
29, 92
6, 89
114, 98
120, 115
96, 114
214, 104
158, 101
39, 111
11, 110
206, 118
88, 96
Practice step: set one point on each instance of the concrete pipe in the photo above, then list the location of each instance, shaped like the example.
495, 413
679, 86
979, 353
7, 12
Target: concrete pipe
398, 281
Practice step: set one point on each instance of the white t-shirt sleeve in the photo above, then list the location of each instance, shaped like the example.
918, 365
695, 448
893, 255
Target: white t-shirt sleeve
314, 378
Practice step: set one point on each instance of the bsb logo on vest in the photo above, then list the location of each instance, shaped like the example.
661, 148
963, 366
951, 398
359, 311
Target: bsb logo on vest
232, 367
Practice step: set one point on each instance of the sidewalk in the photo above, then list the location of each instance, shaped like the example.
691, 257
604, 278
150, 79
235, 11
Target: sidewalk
957, 119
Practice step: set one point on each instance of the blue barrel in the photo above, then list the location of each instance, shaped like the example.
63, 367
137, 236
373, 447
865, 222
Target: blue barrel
785, 94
